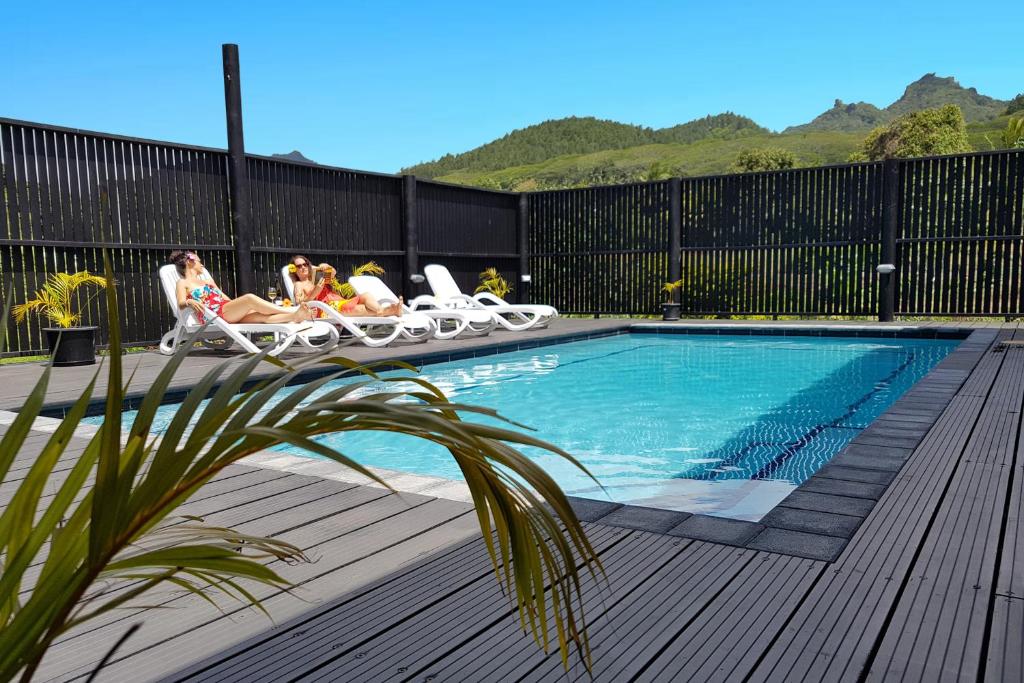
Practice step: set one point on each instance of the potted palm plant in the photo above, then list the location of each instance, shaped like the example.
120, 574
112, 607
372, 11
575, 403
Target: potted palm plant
671, 307
69, 342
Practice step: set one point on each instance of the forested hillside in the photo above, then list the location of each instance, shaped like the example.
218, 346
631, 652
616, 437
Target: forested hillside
580, 151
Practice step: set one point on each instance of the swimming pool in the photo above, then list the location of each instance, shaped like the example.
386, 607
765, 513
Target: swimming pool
715, 424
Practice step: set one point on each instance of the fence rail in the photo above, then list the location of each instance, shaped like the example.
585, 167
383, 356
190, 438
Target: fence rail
796, 242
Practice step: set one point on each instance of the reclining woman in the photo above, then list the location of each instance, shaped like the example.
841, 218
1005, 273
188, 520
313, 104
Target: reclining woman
197, 289
303, 275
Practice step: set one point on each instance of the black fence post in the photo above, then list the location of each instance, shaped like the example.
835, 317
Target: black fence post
412, 259
890, 218
523, 235
238, 178
675, 240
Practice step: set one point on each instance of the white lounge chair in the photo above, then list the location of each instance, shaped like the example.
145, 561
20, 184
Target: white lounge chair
510, 316
219, 330
465, 321
370, 330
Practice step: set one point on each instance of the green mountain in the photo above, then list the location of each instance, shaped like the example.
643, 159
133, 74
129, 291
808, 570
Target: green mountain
859, 116
933, 91
578, 135
926, 92
726, 126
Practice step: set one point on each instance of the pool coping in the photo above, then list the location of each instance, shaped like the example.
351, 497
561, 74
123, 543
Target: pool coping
816, 521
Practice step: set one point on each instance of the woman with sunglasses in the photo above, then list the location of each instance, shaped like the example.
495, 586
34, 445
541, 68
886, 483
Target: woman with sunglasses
303, 275
198, 290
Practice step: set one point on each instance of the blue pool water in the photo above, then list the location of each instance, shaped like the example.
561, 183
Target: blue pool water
721, 425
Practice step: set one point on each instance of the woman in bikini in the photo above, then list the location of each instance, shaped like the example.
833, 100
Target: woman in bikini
197, 290
308, 289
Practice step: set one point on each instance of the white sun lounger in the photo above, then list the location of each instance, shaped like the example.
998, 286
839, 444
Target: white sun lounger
510, 316
219, 330
370, 330
466, 321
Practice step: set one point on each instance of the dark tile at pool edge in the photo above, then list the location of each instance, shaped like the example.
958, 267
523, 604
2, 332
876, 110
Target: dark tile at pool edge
717, 530
803, 499
811, 546
839, 487
812, 522
588, 510
856, 474
644, 519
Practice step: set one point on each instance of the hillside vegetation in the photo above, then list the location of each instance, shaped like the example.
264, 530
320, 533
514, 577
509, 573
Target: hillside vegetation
582, 151
575, 135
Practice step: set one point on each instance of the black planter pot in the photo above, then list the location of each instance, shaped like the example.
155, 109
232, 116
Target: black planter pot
72, 345
670, 311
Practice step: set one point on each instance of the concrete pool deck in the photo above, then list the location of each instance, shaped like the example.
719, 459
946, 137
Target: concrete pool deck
927, 582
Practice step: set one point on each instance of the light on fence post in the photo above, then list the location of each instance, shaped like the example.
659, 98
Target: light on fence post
885, 268
524, 277
417, 279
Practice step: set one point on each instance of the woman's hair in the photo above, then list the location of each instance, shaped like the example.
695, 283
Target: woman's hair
179, 257
295, 276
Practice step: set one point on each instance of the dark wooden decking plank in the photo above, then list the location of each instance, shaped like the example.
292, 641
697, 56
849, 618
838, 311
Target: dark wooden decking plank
223, 506
681, 581
366, 612
937, 629
347, 561
1010, 581
402, 651
833, 633
1005, 661
510, 651
636, 631
727, 640
349, 509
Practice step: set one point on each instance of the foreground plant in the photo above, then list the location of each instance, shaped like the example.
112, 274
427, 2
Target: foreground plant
107, 537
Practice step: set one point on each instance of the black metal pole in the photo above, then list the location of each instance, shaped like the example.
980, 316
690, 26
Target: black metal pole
890, 218
675, 231
238, 184
523, 233
412, 258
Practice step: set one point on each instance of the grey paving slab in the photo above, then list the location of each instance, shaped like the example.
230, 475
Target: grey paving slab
804, 499
799, 543
840, 487
717, 529
588, 510
645, 519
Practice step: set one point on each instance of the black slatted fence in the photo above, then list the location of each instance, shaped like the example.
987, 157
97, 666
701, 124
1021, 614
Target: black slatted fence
600, 250
797, 242
467, 229
801, 242
961, 235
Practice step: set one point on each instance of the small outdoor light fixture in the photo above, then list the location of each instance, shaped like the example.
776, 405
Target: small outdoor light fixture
525, 277
416, 278
885, 268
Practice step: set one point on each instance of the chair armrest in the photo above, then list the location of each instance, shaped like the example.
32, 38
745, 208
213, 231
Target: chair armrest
424, 300
487, 296
468, 299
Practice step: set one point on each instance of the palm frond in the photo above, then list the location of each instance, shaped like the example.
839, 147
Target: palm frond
492, 281
368, 268
55, 299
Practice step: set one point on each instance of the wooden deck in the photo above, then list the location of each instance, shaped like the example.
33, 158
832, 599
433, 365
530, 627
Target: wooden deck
930, 587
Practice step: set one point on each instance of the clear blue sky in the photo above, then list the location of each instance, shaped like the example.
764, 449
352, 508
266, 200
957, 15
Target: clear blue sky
381, 85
